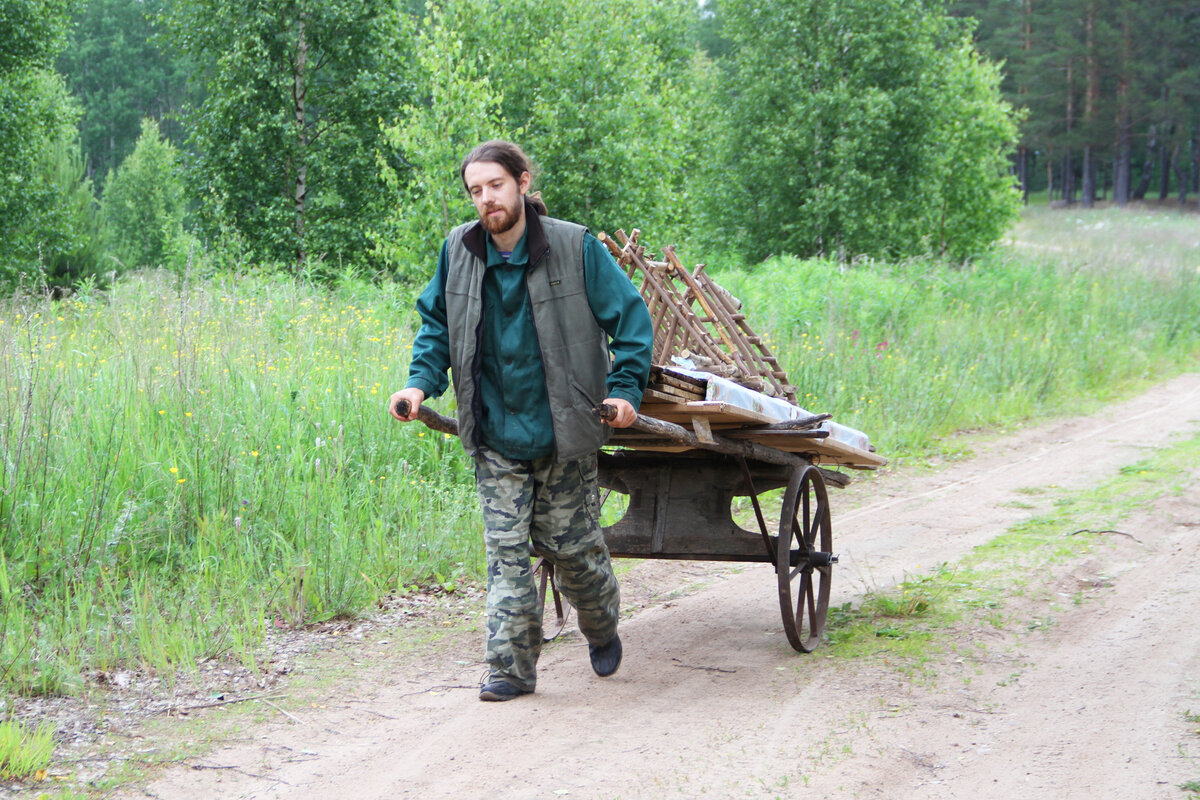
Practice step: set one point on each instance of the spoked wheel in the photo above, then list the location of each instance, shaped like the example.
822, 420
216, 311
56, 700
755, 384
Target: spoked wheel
804, 559
554, 613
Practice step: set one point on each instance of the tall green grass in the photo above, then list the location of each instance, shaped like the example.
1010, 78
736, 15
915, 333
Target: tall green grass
187, 463
912, 352
183, 462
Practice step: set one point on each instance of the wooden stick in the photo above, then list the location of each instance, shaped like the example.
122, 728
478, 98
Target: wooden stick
681, 435
214, 704
431, 418
287, 714
797, 424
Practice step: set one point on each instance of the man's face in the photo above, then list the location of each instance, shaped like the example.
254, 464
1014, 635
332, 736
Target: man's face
496, 194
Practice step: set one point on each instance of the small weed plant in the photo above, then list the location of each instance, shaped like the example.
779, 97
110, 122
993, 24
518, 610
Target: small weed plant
25, 753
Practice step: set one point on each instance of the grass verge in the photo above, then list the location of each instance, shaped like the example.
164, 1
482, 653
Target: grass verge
908, 625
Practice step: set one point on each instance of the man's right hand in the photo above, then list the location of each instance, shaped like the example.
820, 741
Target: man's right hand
414, 398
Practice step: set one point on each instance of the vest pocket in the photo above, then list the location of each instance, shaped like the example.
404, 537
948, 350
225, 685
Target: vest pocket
589, 397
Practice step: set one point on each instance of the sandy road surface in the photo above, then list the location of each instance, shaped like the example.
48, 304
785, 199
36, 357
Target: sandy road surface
711, 701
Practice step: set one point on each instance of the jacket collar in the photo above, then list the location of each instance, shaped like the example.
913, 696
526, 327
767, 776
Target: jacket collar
475, 239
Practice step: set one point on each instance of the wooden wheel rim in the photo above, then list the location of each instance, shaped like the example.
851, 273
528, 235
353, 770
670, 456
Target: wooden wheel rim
804, 589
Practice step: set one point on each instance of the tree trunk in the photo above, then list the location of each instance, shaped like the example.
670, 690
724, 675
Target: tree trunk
1023, 172
1090, 96
1181, 174
1123, 152
1122, 166
299, 94
1022, 92
1164, 173
1068, 178
1068, 172
1196, 159
1143, 186
1089, 177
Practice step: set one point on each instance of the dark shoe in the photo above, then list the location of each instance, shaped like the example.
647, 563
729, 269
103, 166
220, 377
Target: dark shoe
501, 690
606, 658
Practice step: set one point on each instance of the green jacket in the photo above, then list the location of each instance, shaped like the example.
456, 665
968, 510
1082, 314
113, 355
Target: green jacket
527, 339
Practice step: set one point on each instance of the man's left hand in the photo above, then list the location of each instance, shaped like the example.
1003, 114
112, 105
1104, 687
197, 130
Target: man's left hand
625, 413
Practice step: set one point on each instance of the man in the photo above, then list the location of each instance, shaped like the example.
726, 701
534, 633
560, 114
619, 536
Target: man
537, 325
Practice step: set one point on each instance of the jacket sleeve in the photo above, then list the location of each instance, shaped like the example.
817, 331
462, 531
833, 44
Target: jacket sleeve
622, 313
431, 347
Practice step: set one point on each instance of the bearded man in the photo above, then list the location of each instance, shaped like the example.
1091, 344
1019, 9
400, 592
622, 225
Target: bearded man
537, 325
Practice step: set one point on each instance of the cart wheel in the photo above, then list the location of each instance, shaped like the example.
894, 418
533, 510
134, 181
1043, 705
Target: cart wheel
803, 558
554, 614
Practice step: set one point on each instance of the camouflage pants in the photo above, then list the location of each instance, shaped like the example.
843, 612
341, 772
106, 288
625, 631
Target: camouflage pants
557, 507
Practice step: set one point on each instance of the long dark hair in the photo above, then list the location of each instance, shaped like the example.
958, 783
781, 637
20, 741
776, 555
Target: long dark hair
509, 156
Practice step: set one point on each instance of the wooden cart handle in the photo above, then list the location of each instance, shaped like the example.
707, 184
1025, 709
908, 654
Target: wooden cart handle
432, 419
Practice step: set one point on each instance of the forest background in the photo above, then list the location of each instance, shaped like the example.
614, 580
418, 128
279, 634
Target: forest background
321, 136
214, 217
318, 137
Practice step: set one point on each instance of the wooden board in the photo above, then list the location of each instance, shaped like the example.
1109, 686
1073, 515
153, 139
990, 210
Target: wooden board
830, 451
689, 386
670, 375
724, 412
825, 451
667, 395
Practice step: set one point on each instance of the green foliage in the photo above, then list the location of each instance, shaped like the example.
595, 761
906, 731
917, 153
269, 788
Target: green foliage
911, 352
144, 204
978, 203
40, 217
31, 32
1117, 80
287, 136
61, 241
119, 73
460, 110
603, 94
858, 127
148, 518
70, 236
24, 753
896, 621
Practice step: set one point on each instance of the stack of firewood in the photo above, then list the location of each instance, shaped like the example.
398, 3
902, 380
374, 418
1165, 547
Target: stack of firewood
696, 321
673, 388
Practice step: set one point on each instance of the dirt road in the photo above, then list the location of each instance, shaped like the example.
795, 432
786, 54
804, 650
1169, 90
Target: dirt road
711, 701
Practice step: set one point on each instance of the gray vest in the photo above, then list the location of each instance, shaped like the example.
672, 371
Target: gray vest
573, 346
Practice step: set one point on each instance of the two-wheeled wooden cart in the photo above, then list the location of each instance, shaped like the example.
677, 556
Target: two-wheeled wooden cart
681, 490
692, 450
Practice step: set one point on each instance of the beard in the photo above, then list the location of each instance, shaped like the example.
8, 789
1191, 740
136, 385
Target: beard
502, 223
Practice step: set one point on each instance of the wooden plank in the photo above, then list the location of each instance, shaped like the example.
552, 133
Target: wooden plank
679, 388
655, 395
768, 436
710, 408
652, 448
702, 431
685, 418
688, 395
714, 407
828, 451
685, 382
